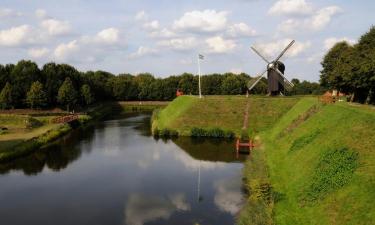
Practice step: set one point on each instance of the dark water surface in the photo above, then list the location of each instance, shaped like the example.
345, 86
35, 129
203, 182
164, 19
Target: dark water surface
116, 173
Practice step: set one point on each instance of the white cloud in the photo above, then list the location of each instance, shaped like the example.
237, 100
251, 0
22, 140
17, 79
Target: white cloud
240, 30
180, 43
291, 7
219, 45
330, 42
5, 12
108, 36
272, 49
323, 17
163, 33
142, 51
317, 21
38, 52
289, 25
15, 36
41, 13
56, 27
202, 21
63, 50
152, 25
141, 15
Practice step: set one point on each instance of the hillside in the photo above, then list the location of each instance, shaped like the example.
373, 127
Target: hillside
314, 164
320, 166
224, 112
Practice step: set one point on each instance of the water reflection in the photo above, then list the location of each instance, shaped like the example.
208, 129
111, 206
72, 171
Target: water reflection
141, 209
116, 173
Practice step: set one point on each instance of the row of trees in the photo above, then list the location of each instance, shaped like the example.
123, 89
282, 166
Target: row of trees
351, 68
25, 85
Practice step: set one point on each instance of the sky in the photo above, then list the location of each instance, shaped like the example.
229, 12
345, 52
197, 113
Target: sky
165, 37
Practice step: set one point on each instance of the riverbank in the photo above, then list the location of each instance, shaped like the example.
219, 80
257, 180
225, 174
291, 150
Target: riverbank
320, 165
219, 115
313, 164
26, 133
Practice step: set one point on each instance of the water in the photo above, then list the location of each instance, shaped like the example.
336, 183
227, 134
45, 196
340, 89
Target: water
116, 173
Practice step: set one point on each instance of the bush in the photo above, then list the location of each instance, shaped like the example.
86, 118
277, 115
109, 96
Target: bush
215, 133
166, 133
31, 122
198, 132
334, 170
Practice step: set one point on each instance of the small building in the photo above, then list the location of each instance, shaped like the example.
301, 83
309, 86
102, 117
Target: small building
179, 93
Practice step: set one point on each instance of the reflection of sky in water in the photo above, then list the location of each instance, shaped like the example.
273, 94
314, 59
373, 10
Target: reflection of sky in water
119, 170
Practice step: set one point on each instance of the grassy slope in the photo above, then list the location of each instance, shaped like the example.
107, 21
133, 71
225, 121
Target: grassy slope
291, 172
225, 112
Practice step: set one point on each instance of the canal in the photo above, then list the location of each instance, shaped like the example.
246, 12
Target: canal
117, 173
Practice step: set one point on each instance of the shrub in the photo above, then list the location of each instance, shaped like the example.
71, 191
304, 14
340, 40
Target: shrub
167, 133
31, 122
198, 132
216, 133
334, 170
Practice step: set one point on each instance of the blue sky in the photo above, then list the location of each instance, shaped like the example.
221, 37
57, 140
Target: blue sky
164, 37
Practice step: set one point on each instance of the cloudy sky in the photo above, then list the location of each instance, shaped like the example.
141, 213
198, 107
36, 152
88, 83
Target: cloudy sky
164, 37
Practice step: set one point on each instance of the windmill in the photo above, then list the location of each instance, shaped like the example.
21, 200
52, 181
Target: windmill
275, 73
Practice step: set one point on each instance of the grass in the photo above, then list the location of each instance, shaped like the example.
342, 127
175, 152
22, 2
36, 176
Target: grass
26, 133
186, 113
315, 163
324, 166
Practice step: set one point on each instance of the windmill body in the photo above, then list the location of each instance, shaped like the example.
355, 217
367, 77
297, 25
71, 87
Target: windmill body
275, 80
277, 83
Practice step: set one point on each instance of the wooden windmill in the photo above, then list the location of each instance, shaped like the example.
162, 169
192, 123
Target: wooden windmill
275, 74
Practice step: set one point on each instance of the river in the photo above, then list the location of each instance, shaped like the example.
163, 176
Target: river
117, 173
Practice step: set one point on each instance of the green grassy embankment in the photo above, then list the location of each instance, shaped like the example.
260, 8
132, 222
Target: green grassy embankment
320, 164
315, 164
25, 134
186, 113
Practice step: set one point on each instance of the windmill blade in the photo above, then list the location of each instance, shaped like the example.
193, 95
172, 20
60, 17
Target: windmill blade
260, 55
281, 74
283, 52
255, 83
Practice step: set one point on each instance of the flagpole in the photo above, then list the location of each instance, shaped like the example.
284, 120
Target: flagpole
199, 77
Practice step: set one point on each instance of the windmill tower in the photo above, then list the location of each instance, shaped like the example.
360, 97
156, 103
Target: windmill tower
275, 74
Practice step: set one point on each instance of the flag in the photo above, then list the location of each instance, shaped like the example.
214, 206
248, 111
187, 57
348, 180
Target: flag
201, 56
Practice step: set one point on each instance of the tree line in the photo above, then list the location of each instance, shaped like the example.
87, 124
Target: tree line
351, 68
25, 85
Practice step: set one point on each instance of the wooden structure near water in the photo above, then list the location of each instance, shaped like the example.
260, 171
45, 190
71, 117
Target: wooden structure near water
65, 119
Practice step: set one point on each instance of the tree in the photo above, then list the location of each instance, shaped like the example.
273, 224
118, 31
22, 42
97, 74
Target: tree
36, 97
22, 76
232, 85
86, 94
67, 95
6, 99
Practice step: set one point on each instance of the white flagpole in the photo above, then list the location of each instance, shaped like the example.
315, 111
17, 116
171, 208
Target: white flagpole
199, 75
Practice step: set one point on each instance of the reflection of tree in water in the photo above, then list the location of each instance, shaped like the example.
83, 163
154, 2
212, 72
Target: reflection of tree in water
209, 149
56, 156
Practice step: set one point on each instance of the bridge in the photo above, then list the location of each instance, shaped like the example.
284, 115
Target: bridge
65, 119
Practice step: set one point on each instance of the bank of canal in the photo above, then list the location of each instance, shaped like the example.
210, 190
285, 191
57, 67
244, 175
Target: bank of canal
117, 173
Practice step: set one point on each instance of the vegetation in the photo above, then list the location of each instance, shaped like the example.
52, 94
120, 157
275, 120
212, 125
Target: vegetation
36, 97
191, 116
319, 171
26, 133
351, 69
85, 88
6, 97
